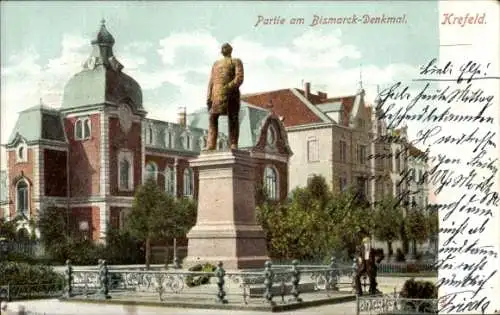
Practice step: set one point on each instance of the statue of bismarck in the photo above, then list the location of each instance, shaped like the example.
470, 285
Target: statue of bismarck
223, 97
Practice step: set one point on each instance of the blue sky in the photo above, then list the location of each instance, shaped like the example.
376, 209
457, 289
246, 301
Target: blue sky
168, 47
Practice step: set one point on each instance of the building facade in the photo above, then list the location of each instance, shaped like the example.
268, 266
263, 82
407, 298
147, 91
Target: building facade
337, 138
89, 156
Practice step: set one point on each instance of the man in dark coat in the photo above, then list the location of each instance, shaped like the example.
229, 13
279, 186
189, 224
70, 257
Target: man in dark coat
223, 97
367, 260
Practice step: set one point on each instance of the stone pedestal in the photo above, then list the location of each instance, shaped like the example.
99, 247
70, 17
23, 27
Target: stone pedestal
226, 228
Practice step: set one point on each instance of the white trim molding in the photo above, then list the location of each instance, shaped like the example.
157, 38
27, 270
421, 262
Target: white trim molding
104, 146
103, 220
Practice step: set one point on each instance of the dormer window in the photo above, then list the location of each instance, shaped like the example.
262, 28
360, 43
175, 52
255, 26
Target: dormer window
203, 142
169, 138
22, 153
150, 136
187, 141
83, 128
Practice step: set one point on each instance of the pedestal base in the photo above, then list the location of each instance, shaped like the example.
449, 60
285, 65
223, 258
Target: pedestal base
226, 229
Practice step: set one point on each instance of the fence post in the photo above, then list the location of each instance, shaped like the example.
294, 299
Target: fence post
177, 264
354, 270
69, 279
268, 282
333, 275
103, 280
220, 273
295, 282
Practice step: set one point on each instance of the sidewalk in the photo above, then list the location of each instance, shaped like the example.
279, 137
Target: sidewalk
54, 307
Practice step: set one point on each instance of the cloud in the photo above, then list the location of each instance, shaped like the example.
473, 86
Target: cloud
185, 60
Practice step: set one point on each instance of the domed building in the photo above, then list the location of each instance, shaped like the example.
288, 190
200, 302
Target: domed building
89, 156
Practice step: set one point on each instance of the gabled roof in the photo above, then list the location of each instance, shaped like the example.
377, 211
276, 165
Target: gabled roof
251, 119
38, 123
414, 151
290, 104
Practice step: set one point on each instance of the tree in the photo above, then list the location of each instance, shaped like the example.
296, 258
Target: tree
416, 226
388, 218
8, 228
295, 228
53, 226
352, 220
156, 215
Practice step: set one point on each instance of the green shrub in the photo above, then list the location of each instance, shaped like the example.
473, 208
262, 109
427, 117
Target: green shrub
419, 290
15, 273
192, 281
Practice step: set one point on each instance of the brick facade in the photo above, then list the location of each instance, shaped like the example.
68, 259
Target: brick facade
121, 141
84, 159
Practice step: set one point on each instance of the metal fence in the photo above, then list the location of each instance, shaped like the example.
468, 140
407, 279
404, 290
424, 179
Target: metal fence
10, 292
28, 248
394, 304
274, 284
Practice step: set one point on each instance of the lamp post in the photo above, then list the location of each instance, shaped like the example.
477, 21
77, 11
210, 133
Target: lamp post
84, 228
175, 258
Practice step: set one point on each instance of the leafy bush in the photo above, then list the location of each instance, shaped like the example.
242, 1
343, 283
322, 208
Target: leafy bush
192, 281
15, 273
419, 290
122, 248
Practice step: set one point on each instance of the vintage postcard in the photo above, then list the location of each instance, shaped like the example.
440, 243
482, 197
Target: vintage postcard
255, 156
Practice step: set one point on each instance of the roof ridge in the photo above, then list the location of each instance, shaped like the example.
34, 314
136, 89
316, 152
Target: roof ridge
309, 105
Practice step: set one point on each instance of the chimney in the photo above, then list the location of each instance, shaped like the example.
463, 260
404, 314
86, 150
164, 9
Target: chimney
322, 96
307, 89
181, 116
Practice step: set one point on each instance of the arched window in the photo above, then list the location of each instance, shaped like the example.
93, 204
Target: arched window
22, 153
125, 170
271, 182
152, 171
188, 182
149, 135
22, 200
170, 180
83, 129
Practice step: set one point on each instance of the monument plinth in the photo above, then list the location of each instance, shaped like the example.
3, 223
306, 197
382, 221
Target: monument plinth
226, 227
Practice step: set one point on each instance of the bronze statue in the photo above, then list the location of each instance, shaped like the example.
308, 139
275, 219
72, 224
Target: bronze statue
223, 97
367, 260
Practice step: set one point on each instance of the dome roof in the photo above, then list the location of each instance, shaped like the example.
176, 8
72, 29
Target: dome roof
101, 79
100, 85
103, 36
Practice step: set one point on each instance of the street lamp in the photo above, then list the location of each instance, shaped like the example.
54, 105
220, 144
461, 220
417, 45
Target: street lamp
84, 228
175, 258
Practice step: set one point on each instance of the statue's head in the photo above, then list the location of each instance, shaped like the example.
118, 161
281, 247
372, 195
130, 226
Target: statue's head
226, 50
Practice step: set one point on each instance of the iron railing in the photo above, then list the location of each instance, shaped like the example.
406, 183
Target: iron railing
275, 284
394, 304
10, 292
